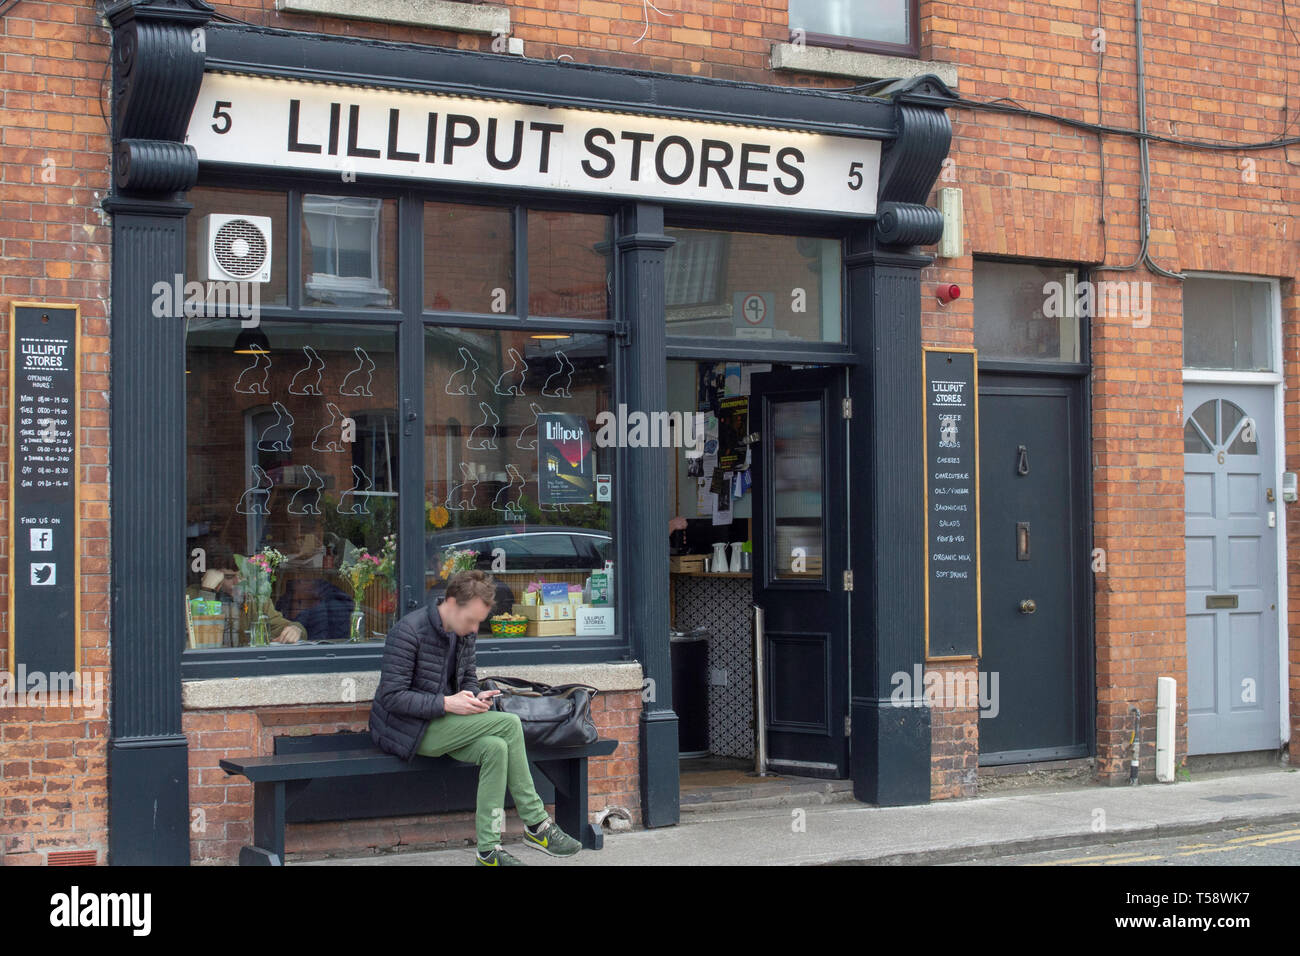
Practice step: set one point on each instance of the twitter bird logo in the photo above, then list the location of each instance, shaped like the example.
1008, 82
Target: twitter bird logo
42, 574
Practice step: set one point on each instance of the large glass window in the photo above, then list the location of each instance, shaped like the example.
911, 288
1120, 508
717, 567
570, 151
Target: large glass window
291, 462
349, 251
1029, 311
469, 258
748, 285
1227, 324
570, 265
512, 451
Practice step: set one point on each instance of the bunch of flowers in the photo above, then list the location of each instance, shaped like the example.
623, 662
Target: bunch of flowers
435, 516
257, 573
453, 561
387, 569
358, 568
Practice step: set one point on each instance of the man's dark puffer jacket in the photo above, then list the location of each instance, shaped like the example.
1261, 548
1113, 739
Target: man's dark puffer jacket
410, 680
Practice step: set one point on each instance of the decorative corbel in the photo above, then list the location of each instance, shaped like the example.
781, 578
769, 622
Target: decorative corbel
910, 164
159, 49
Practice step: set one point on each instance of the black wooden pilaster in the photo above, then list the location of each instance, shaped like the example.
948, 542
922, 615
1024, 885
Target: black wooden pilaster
157, 67
642, 573
890, 748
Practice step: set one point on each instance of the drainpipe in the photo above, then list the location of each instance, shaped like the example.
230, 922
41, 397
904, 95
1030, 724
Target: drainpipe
1137, 744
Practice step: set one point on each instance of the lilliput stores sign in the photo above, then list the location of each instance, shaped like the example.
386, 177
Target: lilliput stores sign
244, 120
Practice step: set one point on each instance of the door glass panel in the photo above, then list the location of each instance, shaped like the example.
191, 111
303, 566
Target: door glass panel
1205, 417
797, 465
1193, 443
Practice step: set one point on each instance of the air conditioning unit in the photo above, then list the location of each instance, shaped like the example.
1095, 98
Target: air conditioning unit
234, 248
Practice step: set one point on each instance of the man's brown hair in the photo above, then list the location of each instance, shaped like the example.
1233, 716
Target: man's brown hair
464, 586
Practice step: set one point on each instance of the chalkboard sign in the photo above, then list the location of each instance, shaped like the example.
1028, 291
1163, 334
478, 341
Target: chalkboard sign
952, 575
44, 553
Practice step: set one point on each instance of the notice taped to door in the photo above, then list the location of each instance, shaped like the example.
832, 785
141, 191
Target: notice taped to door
952, 590
44, 588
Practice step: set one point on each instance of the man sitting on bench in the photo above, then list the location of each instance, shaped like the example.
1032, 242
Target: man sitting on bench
429, 702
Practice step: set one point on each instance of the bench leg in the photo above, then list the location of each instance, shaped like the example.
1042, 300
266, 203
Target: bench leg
268, 827
570, 780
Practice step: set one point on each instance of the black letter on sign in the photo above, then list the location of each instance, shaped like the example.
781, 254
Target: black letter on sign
393, 153
686, 168
294, 145
516, 151
431, 141
452, 140
334, 129
600, 151
746, 166
637, 139
720, 165
794, 171
546, 130
354, 127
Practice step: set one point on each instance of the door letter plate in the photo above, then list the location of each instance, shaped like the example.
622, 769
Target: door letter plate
1217, 601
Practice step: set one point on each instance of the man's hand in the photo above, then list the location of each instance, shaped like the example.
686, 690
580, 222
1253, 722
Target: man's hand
464, 703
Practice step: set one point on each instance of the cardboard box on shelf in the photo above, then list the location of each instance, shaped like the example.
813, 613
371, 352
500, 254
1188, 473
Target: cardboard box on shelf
549, 629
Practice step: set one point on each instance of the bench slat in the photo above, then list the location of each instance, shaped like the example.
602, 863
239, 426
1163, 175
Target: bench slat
356, 761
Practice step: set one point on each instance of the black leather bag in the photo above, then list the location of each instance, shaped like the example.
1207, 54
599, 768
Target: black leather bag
558, 716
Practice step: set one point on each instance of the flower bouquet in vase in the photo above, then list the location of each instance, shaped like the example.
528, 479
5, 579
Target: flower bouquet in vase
357, 570
257, 581
453, 561
386, 573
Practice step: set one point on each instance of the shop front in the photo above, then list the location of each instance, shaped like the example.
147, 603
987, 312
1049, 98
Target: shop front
381, 308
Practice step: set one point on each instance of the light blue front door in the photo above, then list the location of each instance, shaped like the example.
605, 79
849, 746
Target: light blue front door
1232, 505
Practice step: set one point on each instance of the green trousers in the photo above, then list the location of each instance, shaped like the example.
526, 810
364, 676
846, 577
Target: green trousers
494, 741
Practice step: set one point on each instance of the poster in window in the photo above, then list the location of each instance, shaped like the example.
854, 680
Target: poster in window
564, 466
733, 426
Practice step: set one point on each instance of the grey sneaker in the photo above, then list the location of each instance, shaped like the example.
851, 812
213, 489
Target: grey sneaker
552, 840
496, 857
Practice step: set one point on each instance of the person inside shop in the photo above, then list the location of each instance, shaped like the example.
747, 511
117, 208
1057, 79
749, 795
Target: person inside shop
218, 584
429, 702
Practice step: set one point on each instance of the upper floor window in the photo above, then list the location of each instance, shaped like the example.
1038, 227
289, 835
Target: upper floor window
880, 26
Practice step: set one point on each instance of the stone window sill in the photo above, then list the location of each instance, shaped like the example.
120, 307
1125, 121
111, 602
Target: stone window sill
786, 57
437, 14
353, 687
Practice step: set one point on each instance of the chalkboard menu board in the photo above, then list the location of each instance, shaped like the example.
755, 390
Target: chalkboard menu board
44, 590
952, 587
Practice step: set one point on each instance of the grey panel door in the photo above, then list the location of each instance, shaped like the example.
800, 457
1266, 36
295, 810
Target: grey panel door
1033, 569
800, 555
1230, 488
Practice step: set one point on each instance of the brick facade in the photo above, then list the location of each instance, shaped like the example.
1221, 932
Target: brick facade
1032, 189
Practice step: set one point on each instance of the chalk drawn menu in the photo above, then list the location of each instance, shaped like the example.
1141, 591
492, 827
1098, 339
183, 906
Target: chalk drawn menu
951, 504
43, 546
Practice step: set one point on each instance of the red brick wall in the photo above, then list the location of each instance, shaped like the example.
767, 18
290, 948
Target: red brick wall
221, 806
54, 247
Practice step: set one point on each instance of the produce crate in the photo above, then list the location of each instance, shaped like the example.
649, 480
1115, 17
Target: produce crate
688, 563
550, 628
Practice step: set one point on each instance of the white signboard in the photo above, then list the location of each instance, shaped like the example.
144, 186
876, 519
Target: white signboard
246, 120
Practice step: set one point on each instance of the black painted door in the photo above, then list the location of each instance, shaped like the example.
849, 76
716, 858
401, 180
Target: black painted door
1033, 563
800, 555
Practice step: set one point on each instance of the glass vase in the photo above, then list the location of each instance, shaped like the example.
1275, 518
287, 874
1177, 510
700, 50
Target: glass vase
357, 626
258, 633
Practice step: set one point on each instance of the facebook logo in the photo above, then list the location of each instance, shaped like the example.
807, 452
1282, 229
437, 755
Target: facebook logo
42, 539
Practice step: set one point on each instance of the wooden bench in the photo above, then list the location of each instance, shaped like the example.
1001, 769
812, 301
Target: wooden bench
279, 780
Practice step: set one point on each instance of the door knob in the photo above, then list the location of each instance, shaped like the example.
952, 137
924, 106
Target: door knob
1027, 606
1269, 495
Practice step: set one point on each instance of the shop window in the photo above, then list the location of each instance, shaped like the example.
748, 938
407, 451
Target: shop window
570, 265
1028, 311
742, 285
512, 451
886, 26
1227, 324
240, 202
292, 446
469, 258
349, 251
